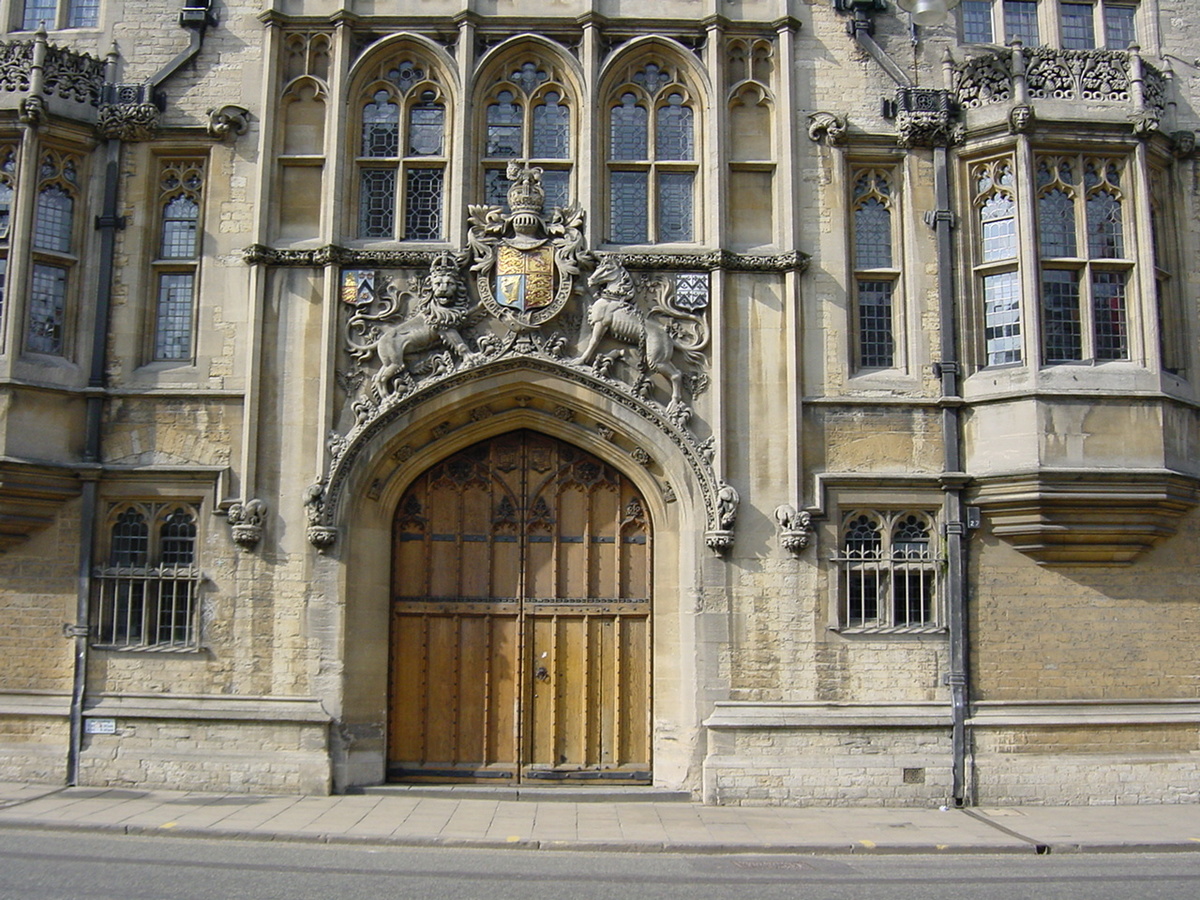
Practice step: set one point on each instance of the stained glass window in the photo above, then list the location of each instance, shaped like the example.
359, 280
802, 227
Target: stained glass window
426, 126
1062, 331
675, 206
1111, 327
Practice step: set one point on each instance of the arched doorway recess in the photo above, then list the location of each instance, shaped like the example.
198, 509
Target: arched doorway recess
520, 623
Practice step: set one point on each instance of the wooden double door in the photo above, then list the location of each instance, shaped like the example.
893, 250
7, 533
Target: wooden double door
520, 644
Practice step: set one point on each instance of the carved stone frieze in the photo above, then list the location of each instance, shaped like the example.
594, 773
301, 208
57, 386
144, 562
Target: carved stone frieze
1104, 76
127, 122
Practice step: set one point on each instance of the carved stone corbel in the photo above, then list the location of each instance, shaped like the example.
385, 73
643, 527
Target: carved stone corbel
228, 121
246, 521
32, 111
795, 526
1183, 143
827, 128
1020, 119
720, 539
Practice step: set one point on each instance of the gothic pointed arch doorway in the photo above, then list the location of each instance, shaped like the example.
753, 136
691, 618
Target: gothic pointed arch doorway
520, 624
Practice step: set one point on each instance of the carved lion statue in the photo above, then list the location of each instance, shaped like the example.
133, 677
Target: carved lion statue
442, 308
615, 314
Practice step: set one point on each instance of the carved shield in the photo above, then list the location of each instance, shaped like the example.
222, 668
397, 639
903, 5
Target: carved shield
524, 278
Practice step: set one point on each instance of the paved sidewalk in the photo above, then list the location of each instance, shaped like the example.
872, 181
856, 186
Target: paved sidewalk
462, 818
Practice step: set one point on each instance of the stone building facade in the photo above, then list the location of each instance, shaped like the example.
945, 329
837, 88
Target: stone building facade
771, 399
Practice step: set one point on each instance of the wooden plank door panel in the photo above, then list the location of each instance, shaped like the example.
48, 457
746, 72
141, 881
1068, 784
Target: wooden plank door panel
521, 626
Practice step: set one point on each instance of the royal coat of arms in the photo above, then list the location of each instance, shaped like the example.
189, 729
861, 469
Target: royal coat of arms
525, 264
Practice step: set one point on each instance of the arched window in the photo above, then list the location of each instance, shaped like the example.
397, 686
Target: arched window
998, 276
528, 115
402, 154
888, 571
875, 275
146, 596
652, 171
54, 224
181, 187
8, 172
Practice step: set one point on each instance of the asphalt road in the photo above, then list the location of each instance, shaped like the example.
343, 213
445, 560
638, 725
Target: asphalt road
58, 865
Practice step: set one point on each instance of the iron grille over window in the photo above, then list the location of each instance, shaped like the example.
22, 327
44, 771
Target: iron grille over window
888, 571
147, 595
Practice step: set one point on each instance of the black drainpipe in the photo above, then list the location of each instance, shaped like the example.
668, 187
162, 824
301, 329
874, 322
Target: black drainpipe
947, 370
196, 17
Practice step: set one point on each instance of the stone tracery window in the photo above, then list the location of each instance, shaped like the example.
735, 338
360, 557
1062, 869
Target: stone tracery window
652, 171
888, 567
180, 186
8, 178
875, 274
402, 153
529, 115
147, 591
998, 277
54, 223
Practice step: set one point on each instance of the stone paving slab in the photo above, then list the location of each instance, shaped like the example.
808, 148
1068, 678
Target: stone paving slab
465, 820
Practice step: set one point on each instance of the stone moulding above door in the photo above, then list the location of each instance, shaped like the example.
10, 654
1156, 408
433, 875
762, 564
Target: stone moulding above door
324, 499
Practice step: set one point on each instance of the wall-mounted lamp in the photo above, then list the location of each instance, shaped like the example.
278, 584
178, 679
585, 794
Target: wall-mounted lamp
928, 13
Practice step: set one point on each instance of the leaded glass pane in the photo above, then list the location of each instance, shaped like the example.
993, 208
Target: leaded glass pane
426, 126
130, 544
864, 540
504, 128
38, 12
629, 130
381, 127
179, 227
1020, 22
999, 228
405, 75
872, 235
551, 129
629, 207
557, 185
496, 185
1056, 221
673, 132
47, 302
6, 198
1119, 30
177, 539
1061, 329
1108, 304
1105, 231
675, 206
911, 539
977, 21
423, 205
876, 346
83, 13
377, 203
173, 316
1078, 27
52, 224
1002, 318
